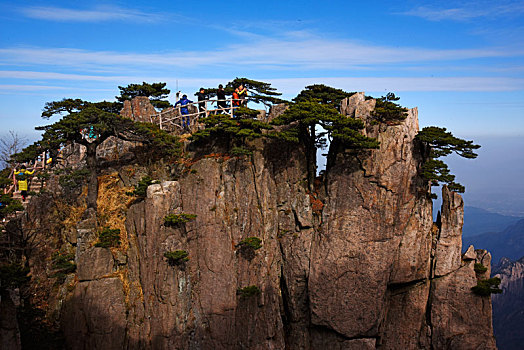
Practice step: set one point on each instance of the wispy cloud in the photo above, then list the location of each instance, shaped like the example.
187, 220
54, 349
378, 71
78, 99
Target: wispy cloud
469, 10
17, 87
97, 14
406, 83
291, 52
290, 86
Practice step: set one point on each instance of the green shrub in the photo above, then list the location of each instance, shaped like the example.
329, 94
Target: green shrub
13, 276
173, 220
9, 205
108, 238
5, 179
479, 268
487, 287
240, 151
251, 242
62, 265
73, 179
247, 247
177, 257
140, 190
248, 291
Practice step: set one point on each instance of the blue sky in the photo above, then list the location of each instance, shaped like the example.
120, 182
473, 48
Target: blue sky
460, 62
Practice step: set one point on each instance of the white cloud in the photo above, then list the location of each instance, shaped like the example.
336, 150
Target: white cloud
284, 53
17, 87
399, 84
289, 86
469, 11
98, 14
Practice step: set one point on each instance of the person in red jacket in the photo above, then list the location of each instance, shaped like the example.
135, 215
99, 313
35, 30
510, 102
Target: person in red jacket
242, 94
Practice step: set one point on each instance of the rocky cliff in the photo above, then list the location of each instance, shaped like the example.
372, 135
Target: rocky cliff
356, 263
508, 307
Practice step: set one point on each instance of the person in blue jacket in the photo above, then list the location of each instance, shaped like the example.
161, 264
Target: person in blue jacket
183, 110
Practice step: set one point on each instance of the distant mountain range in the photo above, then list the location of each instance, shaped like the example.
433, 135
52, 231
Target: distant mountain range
478, 221
508, 307
509, 243
503, 237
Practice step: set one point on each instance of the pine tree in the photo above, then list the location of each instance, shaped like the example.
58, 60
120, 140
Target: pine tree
324, 94
306, 118
156, 92
387, 111
437, 142
90, 124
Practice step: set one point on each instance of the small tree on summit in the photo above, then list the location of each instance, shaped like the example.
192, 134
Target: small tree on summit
387, 111
156, 92
326, 95
438, 142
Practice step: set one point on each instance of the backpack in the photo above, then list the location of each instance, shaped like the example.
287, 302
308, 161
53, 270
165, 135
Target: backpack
21, 176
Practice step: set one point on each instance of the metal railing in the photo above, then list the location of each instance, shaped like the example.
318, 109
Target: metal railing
165, 118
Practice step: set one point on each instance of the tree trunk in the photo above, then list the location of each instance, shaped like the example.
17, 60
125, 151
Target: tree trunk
311, 156
92, 184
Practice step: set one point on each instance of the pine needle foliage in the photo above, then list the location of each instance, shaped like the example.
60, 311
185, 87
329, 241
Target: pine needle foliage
5, 179
108, 238
248, 291
479, 268
304, 116
73, 178
157, 93
258, 91
13, 276
387, 111
486, 287
251, 242
236, 131
177, 257
440, 143
173, 220
140, 190
9, 205
324, 94
89, 124
62, 265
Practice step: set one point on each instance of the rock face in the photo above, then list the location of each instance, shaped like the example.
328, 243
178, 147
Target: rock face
139, 109
9, 332
508, 307
355, 264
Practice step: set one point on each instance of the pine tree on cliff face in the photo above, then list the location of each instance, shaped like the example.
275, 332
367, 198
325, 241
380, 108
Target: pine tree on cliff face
437, 142
90, 124
313, 122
